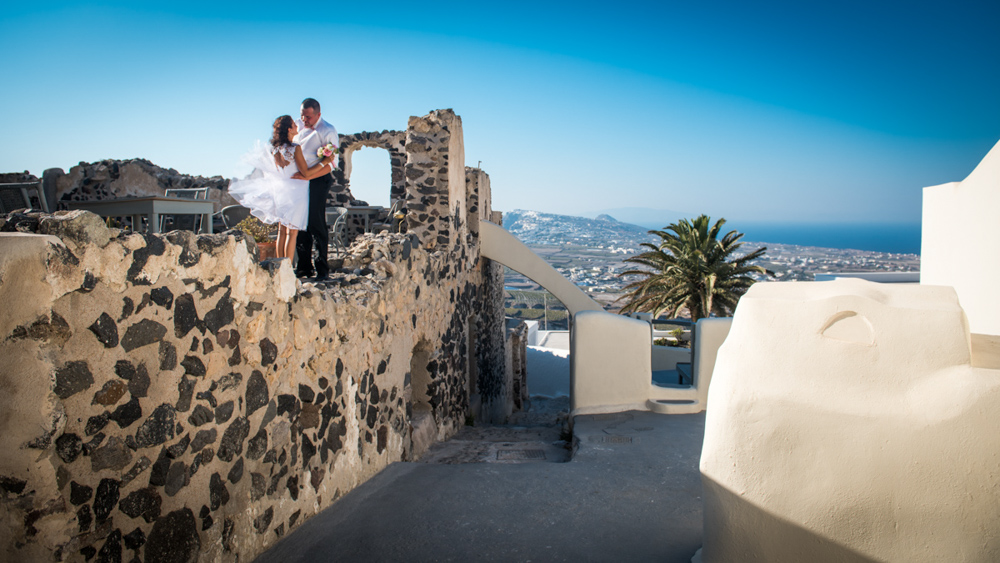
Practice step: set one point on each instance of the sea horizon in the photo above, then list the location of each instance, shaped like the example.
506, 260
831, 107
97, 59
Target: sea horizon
896, 238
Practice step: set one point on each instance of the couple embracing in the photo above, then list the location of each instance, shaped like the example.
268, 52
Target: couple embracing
291, 180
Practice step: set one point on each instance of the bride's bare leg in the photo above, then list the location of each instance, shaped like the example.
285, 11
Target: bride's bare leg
279, 247
290, 237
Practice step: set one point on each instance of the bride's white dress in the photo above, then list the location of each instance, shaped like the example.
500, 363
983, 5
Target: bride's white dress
270, 192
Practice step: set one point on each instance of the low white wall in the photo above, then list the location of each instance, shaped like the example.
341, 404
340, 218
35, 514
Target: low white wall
843, 429
960, 246
610, 368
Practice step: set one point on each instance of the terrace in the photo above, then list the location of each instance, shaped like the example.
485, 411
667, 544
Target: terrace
285, 418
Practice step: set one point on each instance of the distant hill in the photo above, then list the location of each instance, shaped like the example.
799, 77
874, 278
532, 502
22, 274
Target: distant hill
643, 216
535, 227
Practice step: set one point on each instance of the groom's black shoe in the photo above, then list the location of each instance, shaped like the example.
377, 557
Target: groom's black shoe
301, 274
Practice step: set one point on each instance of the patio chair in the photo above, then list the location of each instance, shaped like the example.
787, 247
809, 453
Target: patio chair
233, 214
393, 220
336, 218
187, 222
15, 196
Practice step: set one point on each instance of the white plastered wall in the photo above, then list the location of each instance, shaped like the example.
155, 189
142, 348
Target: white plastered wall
960, 243
842, 428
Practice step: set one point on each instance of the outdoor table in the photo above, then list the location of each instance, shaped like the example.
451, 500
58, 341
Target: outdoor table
151, 207
366, 212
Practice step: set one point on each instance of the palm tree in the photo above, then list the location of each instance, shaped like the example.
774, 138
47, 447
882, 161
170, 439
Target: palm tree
691, 267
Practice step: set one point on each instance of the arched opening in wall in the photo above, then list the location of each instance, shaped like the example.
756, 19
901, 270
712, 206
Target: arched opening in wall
371, 175
420, 378
423, 429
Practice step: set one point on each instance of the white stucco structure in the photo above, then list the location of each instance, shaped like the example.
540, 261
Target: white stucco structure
849, 423
960, 246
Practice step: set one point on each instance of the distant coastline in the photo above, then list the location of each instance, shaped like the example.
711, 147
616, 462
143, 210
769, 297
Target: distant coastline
903, 238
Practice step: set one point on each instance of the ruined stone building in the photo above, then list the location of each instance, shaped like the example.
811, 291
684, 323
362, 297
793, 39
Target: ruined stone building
170, 398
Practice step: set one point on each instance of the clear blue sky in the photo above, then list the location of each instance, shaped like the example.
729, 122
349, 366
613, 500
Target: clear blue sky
783, 111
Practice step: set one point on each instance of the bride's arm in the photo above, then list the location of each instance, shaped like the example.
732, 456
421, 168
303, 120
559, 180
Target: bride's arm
309, 173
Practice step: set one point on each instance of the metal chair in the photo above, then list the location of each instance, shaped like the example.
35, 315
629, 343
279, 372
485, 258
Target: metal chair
393, 220
175, 221
233, 214
15, 196
336, 218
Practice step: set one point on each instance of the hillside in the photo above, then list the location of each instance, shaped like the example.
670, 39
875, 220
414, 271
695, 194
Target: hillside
534, 227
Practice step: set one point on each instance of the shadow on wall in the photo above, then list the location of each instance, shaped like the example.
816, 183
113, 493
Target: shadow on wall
786, 540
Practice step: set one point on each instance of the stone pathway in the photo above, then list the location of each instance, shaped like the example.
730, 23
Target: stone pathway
540, 434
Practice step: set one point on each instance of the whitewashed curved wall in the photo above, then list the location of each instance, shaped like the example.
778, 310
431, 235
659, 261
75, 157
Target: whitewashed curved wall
848, 424
960, 243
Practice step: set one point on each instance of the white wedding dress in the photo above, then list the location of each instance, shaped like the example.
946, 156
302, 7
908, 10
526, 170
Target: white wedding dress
270, 192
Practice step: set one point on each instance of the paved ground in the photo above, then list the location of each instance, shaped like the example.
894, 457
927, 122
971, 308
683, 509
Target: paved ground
631, 492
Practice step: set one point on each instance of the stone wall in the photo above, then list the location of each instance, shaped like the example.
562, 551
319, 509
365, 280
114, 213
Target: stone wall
121, 178
164, 392
166, 397
435, 174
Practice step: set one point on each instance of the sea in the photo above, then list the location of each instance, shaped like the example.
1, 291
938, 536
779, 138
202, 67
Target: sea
897, 238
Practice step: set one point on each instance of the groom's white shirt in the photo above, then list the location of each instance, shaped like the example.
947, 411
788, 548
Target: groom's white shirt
312, 139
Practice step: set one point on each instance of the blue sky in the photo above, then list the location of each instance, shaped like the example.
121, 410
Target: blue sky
775, 111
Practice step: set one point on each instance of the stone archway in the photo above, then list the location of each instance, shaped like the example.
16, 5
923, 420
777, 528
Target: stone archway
392, 141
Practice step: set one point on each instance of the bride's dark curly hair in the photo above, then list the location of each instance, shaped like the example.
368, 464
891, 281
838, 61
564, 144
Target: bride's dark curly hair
280, 136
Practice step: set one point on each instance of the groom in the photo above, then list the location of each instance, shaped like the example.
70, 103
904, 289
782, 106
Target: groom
314, 133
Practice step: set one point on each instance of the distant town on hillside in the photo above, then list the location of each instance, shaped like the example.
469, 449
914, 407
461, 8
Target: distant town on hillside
592, 253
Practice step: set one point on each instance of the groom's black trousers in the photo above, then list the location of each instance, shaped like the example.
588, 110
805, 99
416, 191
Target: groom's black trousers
317, 232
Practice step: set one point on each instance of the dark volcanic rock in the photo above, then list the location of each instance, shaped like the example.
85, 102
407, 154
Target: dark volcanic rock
144, 502
258, 485
177, 478
185, 315
201, 415
185, 389
158, 428
162, 296
138, 385
135, 539
263, 522
79, 494
257, 445
68, 446
128, 413
173, 539
232, 440
72, 378
106, 331
306, 394
268, 352
203, 438
218, 493
106, 498
96, 423
236, 472
257, 395
224, 411
111, 551
221, 315
113, 455
168, 356
143, 333
193, 366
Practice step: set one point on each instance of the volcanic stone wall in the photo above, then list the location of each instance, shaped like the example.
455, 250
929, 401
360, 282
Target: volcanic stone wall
167, 398
121, 178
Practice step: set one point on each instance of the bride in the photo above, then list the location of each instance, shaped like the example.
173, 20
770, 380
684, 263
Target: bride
270, 192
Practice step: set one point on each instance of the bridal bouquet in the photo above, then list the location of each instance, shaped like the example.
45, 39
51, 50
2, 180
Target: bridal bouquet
326, 150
